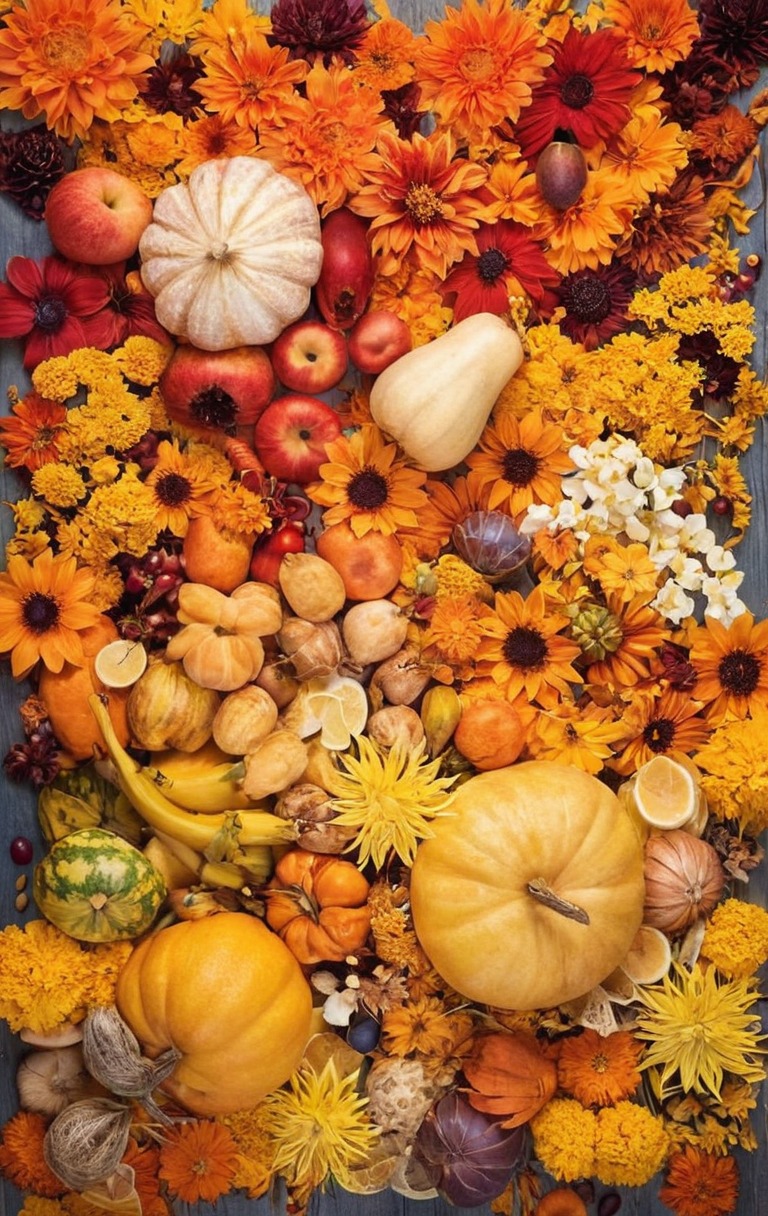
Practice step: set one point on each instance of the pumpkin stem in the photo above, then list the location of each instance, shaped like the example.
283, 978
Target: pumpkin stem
98, 901
218, 251
541, 891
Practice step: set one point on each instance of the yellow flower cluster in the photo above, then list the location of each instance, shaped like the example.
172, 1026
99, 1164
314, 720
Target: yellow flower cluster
621, 1145
735, 772
736, 938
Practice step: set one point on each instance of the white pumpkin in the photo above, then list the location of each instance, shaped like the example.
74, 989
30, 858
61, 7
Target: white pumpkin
231, 255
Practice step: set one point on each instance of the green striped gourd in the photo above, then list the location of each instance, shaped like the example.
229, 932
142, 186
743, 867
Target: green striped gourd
96, 887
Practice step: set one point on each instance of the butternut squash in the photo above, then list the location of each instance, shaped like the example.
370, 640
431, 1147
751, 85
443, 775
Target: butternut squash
435, 400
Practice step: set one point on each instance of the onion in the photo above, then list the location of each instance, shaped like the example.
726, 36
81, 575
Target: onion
467, 1154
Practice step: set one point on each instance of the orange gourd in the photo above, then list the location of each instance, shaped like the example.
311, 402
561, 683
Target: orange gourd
65, 696
561, 1201
316, 903
227, 994
510, 1076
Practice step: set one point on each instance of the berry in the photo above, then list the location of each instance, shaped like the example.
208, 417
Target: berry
21, 851
682, 508
722, 505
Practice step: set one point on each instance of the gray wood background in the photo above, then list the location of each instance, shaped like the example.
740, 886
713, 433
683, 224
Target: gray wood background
19, 235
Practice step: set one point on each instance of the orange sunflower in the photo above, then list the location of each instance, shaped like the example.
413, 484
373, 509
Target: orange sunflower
699, 1183
423, 202
249, 82
599, 1069
580, 734
198, 1161
731, 665
70, 61
44, 606
183, 487
656, 724
518, 462
631, 633
449, 503
478, 65
325, 139
367, 483
659, 33
523, 649
29, 437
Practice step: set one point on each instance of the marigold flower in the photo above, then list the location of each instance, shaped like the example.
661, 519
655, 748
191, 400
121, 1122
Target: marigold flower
735, 772
564, 1137
21, 1155
631, 1145
699, 1183
736, 938
198, 1160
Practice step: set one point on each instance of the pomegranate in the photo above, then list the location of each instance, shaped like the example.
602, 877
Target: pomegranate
346, 279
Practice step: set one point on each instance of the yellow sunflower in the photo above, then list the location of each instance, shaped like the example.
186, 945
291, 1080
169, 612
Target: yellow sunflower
519, 462
523, 649
44, 607
183, 487
732, 667
367, 483
656, 724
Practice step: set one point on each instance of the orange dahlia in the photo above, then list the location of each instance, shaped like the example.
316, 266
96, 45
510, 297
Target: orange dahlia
70, 61
423, 202
477, 66
659, 33
699, 1183
251, 82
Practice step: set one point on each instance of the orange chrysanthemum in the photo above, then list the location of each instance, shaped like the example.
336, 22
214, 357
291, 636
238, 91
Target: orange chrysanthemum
599, 1069
325, 140
731, 667
659, 33
44, 606
224, 22
249, 82
641, 630
21, 1156
453, 635
698, 1183
725, 138
367, 483
183, 486
520, 462
647, 154
198, 1161
425, 1027
672, 228
210, 138
449, 503
422, 201
584, 236
70, 61
29, 437
658, 724
478, 65
523, 649
144, 1160
385, 57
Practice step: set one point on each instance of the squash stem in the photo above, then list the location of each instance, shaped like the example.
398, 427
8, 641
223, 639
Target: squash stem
541, 891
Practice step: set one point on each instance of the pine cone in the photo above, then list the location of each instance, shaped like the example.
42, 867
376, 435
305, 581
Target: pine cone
31, 162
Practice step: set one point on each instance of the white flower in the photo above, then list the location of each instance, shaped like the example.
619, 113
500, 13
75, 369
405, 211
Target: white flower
537, 516
644, 475
719, 559
673, 603
722, 602
636, 530
688, 571
695, 536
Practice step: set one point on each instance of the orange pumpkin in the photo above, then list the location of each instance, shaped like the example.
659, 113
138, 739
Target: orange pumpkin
510, 1076
230, 997
316, 902
65, 696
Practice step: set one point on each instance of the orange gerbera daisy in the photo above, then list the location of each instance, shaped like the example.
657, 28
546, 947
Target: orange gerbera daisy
249, 82
477, 66
631, 633
698, 1183
367, 483
423, 202
599, 1069
70, 61
384, 59
519, 462
627, 571
199, 1160
731, 665
29, 437
658, 723
44, 606
585, 235
210, 138
449, 503
325, 140
183, 487
659, 33
21, 1156
523, 651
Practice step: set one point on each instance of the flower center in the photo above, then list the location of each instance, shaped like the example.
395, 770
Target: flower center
577, 92
422, 204
335, 133
519, 467
659, 734
383, 61
66, 49
477, 63
491, 265
214, 407
739, 673
50, 313
600, 1062
589, 299
39, 612
368, 490
173, 489
524, 647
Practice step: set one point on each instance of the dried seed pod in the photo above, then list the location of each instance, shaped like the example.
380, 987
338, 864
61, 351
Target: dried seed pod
113, 1056
396, 724
86, 1141
315, 650
400, 679
48, 1081
311, 809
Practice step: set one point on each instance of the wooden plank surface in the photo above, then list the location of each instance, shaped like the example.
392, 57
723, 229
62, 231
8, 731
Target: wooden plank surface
19, 235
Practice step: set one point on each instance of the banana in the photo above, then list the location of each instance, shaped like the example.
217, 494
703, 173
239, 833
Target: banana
212, 791
196, 831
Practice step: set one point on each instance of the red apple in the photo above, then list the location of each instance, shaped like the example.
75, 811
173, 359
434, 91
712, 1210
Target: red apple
310, 357
96, 215
377, 339
291, 434
218, 390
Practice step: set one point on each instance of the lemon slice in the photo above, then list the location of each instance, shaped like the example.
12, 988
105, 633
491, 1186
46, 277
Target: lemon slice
664, 793
340, 704
649, 957
119, 664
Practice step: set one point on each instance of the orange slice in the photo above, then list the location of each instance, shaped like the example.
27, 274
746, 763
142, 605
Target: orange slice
119, 664
341, 706
649, 957
664, 793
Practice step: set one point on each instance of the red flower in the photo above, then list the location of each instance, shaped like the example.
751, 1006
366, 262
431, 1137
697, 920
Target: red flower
54, 306
507, 263
596, 303
586, 91
130, 307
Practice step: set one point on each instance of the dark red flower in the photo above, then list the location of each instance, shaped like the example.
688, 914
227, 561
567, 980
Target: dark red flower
54, 306
596, 303
170, 85
736, 32
585, 91
507, 262
318, 29
402, 107
130, 308
720, 371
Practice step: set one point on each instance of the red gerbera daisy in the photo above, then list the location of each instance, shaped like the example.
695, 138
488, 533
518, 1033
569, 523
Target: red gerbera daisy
586, 91
54, 306
508, 262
